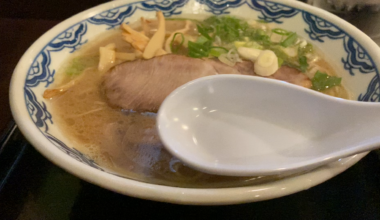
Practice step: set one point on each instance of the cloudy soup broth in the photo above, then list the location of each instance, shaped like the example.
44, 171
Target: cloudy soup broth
105, 98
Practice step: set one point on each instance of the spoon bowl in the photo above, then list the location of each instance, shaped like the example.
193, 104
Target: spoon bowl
242, 125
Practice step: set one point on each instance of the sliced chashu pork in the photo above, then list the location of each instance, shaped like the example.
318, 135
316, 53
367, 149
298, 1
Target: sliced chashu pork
142, 85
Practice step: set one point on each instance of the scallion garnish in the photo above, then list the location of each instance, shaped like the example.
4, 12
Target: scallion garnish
322, 81
201, 40
198, 50
281, 31
203, 31
234, 32
217, 51
175, 48
303, 63
280, 61
290, 40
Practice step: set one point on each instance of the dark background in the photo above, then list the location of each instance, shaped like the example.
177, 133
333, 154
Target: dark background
31, 187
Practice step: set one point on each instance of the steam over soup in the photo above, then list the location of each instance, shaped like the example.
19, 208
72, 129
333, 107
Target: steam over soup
106, 95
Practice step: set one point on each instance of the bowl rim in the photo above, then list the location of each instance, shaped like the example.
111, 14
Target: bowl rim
198, 196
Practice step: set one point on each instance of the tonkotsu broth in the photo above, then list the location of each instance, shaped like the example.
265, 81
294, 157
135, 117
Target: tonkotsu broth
124, 142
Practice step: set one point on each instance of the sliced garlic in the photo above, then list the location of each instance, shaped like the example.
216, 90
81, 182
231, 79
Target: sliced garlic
249, 53
266, 64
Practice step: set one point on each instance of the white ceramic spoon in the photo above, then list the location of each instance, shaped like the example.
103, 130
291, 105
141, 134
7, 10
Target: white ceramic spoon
242, 125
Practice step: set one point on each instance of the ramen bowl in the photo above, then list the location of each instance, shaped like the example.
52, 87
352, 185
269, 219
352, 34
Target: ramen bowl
353, 55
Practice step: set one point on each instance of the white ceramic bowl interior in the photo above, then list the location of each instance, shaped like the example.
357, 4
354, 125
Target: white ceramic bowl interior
354, 56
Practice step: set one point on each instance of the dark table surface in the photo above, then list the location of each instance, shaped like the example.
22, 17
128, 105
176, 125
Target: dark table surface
31, 187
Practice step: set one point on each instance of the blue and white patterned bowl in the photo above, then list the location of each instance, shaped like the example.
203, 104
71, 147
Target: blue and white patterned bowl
354, 55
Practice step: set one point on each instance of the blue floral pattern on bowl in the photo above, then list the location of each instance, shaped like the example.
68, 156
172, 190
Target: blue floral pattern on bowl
41, 72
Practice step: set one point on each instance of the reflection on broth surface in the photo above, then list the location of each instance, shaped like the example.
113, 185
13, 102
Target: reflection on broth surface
124, 141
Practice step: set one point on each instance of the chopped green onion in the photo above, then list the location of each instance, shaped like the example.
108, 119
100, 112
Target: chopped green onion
203, 31
78, 64
227, 28
217, 51
198, 50
281, 31
254, 44
288, 61
322, 81
75, 68
238, 44
303, 63
201, 40
290, 40
305, 50
175, 48
280, 62
280, 54
235, 33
